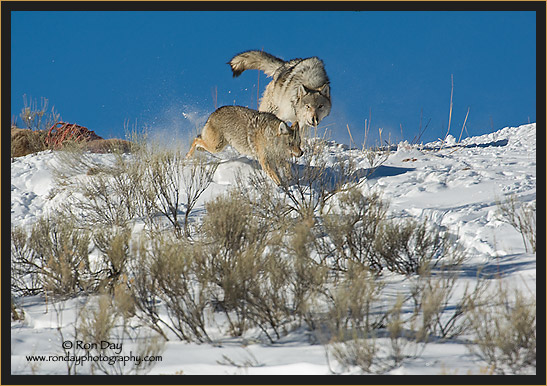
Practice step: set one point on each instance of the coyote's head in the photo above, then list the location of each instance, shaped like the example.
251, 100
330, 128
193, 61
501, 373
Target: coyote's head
291, 139
312, 105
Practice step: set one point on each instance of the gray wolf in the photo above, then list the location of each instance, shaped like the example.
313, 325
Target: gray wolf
299, 91
257, 134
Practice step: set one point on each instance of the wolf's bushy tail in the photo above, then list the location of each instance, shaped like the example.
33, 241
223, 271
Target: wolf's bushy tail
255, 60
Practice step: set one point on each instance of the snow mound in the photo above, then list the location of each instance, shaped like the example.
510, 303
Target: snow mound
454, 186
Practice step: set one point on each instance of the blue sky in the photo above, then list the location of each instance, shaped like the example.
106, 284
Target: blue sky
161, 69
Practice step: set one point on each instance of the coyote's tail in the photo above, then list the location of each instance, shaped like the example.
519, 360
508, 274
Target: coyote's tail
255, 60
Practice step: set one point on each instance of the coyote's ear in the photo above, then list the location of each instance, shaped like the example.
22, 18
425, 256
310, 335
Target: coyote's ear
283, 129
325, 90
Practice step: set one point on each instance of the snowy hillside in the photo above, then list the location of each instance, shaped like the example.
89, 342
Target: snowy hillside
455, 187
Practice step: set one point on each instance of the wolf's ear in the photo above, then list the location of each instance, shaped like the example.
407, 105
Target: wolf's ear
325, 90
283, 129
302, 90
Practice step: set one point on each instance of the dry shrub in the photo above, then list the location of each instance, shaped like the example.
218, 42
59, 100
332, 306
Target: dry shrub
235, 243
357, 351
308, 184
99, 194
262, 269
108, 318
171, 286
313, 182
406, 246
307, 277
144, 287
16, 314
172, 185
153, 184
26, 266
439, 302
355, 300
26, 141
38, 118
269, 297
361, 347
402, 336
62, 252
178, 269
365, 243
53, 257
114, 247
358, 230
354, 318
504, 330
352, 226
109, 146
522, 217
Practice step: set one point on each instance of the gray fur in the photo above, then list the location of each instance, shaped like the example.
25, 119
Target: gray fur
299, 91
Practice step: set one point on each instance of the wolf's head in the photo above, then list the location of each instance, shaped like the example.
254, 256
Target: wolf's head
291, 139
312, 105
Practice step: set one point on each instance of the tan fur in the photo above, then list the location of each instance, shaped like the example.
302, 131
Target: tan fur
257, 134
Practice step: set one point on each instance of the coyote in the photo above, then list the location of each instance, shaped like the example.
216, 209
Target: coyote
258, 134
299, 91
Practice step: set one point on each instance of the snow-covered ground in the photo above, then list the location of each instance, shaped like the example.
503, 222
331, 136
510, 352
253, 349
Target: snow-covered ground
458, 187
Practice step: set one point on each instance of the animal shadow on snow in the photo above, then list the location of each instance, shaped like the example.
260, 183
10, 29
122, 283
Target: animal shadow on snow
329, 177
500, 267
498, 143
332, 177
